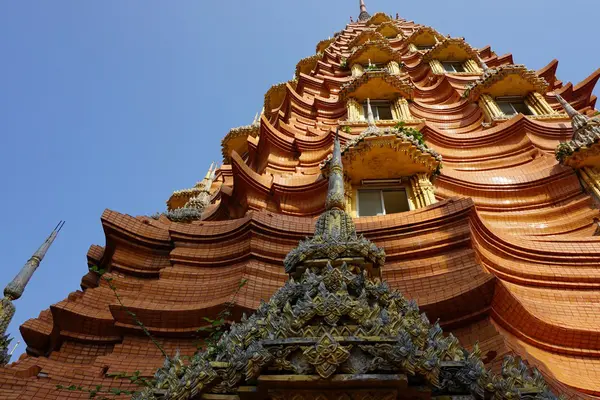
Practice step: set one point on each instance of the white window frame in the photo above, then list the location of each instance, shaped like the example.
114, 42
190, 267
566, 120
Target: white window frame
510, 100
381, 189
375, 104
453, 65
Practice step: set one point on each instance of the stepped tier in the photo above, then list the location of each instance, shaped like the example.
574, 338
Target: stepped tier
444, 256
506, 254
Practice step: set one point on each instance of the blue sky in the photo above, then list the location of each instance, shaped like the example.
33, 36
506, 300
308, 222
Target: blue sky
115, 104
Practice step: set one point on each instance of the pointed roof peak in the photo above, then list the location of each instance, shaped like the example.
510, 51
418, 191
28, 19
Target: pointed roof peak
364, 15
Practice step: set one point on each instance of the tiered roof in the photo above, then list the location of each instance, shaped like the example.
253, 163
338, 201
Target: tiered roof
506, 256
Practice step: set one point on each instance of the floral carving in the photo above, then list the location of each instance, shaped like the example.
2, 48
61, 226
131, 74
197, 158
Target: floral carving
326, 355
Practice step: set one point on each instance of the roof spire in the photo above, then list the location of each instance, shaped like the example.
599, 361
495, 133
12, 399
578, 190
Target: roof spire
15, 288
483, 63
364, 15
336, 198
579, 120
210, 171
370, 117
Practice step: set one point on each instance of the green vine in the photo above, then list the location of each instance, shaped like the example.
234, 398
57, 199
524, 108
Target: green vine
135, 377
217, 326
216, 329
344, 62
411, 132
133, 316
346, 129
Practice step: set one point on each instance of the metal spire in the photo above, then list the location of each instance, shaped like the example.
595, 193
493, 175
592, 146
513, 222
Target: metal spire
14, 289
336, 198
364, 15
579, 120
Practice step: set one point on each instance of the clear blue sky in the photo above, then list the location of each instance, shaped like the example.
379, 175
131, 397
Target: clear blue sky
115, 104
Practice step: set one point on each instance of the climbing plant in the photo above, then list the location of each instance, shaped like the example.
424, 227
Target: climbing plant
215, 330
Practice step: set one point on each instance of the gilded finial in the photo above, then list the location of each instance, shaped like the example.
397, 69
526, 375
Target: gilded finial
364, 15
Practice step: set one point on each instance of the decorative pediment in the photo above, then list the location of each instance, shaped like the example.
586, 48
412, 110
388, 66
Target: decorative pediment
377, 52
275, 95
387, 154
307, 64
454, 49
389, 30
507, 80
364, 37
424, 36
237, 139
380, 85
331, 333
324, 44
378, 19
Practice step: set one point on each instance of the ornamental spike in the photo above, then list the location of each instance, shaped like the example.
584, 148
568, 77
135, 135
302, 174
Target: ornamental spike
335, 192
579, 120
16, 287
210, 171
483, 64
364, 15
370, 117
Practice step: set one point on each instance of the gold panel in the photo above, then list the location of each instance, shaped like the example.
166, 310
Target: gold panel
388, 31
375, 54
424, 39
385, 157
453, 53
511, 85
376, 89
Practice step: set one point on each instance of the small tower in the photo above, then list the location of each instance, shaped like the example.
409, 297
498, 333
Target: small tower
16, 287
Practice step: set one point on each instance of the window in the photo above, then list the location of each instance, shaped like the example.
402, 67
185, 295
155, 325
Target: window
424, 47
382, 201
381, 110
453, 66
512, 106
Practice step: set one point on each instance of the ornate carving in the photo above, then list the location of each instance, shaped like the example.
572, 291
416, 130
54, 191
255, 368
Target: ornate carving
403, 86
327, 355
494, 75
